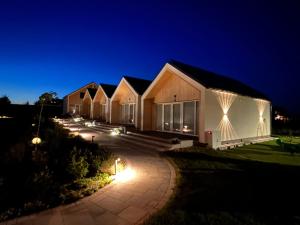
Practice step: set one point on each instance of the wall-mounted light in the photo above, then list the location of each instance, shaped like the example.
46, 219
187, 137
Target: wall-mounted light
175, 98
225, 100
225, 117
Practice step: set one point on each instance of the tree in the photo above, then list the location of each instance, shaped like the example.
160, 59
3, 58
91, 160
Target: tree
47, 98
4, 100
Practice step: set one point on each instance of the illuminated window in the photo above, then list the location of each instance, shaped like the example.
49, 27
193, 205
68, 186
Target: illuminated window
179, 117
159, 117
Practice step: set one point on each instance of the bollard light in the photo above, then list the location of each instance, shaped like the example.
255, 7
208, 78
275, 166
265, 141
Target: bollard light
116, 165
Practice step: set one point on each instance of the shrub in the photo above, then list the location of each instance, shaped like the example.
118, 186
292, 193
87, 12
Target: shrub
108, 165
95, 165
78, 166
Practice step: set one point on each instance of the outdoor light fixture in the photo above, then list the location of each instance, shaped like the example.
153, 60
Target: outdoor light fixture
125, 175
77, 119
116, 165
93, 138
225, 100
186, 129
261, 126
225, 117
115, 132
36, 141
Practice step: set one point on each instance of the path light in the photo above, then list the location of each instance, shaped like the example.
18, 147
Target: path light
116, 165
115, 132
125, 175
36, 141
93, 138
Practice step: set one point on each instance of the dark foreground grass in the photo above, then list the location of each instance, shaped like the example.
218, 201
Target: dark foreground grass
231, 187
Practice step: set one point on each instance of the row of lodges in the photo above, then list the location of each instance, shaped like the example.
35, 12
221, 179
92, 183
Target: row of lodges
181, 99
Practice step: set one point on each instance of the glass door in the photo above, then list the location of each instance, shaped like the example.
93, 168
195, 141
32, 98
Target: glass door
102, 108
176, 117
167, 117
131, 113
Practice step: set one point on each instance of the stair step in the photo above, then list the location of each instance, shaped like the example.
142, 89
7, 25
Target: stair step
146, 141
168, 141
142, 144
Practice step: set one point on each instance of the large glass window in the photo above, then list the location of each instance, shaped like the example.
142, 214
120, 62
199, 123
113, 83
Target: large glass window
102, 108
188, 117
176, 117
126, 113
123, 113
197, 118
159, 117
77, 109
131, 113
167, 117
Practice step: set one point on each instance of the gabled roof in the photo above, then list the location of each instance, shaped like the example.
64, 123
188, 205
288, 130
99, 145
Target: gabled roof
92, 92
109, 89
92, 83
139, 85
215, 81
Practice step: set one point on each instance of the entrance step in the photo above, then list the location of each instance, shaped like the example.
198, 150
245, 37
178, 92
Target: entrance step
144, 144
149, 137
148, 141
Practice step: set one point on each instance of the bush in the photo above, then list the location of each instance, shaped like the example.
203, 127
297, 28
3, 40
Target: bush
78, 166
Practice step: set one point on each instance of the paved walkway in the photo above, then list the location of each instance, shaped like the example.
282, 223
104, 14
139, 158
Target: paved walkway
122, 202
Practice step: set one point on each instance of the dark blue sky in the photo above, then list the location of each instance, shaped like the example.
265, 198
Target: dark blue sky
62, 45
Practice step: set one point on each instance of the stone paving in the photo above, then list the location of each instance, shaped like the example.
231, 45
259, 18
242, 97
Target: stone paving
122, 202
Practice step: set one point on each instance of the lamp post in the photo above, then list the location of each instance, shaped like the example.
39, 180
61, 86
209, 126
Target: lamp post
93, 138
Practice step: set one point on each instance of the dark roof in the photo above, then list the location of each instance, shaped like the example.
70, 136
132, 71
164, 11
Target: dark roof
92, 92
139, 85
213, 80
109, 89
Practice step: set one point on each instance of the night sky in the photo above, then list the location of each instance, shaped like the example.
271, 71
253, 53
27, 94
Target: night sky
62, 45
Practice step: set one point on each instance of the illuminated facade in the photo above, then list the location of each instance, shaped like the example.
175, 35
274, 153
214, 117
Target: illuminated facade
182, 99
73, 102
101, 102
126, 101
187, 100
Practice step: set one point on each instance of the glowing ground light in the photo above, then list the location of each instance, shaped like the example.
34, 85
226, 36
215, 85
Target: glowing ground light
115, 132
125, 175
36, 141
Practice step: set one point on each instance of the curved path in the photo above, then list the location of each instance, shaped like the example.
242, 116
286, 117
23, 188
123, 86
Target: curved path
122, 202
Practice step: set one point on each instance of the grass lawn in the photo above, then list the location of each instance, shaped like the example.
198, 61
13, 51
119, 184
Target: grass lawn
254, 184
267, 152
